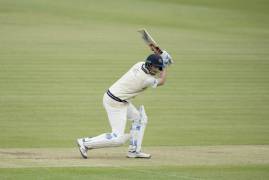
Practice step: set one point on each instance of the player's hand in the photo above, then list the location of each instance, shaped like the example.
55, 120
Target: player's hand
167, 59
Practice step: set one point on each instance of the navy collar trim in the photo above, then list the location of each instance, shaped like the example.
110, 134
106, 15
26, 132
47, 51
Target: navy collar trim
144, 69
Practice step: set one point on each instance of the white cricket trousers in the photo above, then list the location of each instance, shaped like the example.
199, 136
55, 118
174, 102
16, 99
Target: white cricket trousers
118, 113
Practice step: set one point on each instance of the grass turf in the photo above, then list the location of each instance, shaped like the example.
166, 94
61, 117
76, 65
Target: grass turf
258, 172
59, 57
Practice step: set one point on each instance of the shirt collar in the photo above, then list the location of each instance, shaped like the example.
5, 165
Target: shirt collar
144, 69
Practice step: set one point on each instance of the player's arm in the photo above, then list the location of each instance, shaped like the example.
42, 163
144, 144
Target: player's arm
167, 60
162, 77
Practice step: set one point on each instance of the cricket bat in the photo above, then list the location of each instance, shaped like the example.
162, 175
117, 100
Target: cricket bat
150, 41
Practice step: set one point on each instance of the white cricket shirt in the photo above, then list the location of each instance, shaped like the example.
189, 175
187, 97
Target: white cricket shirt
132, 83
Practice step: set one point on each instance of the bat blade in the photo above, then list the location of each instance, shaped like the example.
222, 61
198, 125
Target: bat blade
146, 37
150, 41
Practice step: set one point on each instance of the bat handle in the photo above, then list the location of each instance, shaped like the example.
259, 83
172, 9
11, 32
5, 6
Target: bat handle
156, 49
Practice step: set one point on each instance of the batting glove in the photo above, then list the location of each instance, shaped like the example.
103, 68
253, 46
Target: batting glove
167, 59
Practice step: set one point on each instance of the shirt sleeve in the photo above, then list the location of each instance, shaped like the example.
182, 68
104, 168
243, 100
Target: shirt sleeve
153, 82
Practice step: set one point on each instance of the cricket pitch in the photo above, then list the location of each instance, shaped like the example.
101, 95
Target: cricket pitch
116, 157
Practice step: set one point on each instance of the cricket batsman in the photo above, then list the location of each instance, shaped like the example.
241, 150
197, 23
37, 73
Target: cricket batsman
119, 108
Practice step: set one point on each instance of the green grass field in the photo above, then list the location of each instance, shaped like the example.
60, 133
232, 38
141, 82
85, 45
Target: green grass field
210, 120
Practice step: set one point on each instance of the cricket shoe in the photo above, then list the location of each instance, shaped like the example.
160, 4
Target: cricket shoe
83, 149
138, 155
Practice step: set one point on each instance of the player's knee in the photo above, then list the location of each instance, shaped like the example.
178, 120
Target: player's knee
118, 139
142, 117
123, 138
